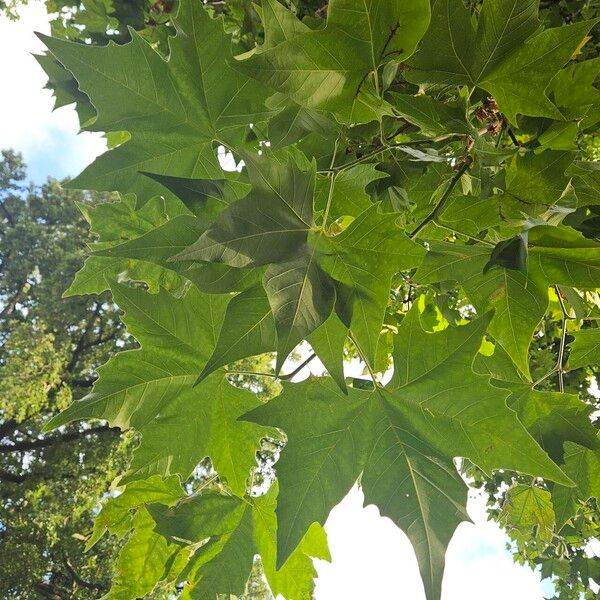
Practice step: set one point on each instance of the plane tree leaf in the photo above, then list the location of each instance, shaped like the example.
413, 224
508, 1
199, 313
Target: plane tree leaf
585, 349
527, 511
332, 68
504, 54
583, 466
265, 227
398, 439
153, 401
174, 109
363, 258
237, 530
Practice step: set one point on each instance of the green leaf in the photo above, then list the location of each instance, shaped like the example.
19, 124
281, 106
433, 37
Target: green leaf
433, 117
519, 300
116, 515
364, 257
505, 55
538, 179
173, 109
349, 197
160, 244
553, 418
328, 342
469, 214
203, 197
585, 350
297, 122
143, 559
329, 68
248, 329
582, 465
301, 296
151, 390
574, 91
408, 434
217, 278
527, 511
98, 271
564, 256
239, 529
268, 225
509, 254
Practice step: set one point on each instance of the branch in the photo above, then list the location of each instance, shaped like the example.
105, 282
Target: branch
90, 585
563, 341
59, 439
10, 305
12, 477
7, 214
433, 215
299, 368
80, 346
8, 427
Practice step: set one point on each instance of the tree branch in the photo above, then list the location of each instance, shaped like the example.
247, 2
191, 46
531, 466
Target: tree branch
80, 346
299, 368
80, 581
433, 215
12, 477
52, 440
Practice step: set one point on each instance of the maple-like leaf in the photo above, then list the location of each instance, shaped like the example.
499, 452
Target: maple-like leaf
174, 109
556, 255
506, 54
150, 390
402, 440
583, 466
333, 68
585, 349
238, 530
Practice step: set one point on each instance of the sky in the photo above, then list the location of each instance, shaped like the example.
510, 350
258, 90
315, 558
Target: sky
371, 557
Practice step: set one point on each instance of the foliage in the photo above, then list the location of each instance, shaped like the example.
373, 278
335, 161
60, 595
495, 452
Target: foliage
415, 190
51, 484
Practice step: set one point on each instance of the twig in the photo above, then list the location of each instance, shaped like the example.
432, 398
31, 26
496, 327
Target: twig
512, 137
563, 341
364, 359
299, 368
285, 377
471, 237
440, 205
378, 151
559, 367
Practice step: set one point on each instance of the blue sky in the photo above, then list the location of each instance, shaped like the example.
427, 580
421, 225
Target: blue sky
371, 557
49, 141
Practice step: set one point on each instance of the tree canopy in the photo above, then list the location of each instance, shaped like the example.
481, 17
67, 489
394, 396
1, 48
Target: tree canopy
416, 188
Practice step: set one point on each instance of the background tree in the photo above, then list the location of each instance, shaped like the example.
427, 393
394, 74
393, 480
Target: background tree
50, 346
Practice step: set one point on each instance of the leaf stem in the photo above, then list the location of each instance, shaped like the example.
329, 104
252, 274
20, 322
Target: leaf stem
559, 367
442, 201
285, 377
471, 237
299, 368
364, 359
563, 341
332, 175
253, 374
378, 151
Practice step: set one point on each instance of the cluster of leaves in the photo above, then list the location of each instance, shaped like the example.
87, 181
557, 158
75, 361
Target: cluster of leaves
50, 484
412, 190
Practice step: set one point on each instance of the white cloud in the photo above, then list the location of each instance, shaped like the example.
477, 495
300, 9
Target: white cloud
372, 558
49, 141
